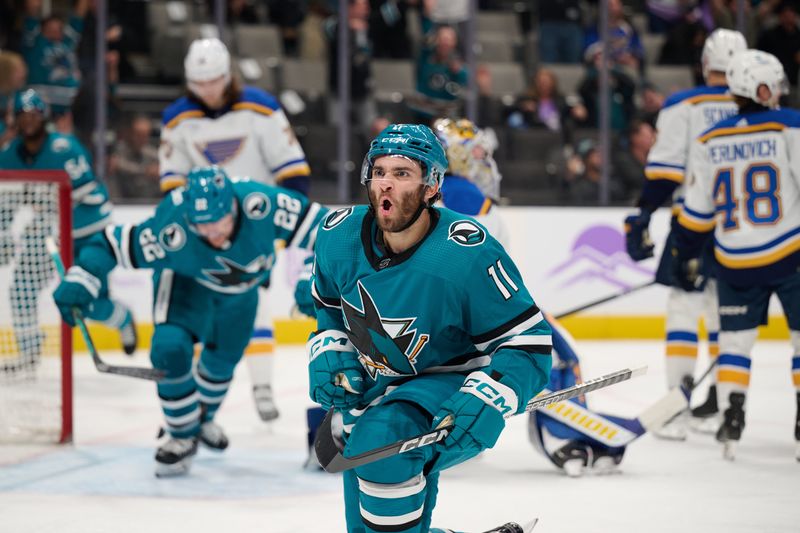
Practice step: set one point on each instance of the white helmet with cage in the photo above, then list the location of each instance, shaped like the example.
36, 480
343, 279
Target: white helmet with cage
208, 59
719, 48
751, 69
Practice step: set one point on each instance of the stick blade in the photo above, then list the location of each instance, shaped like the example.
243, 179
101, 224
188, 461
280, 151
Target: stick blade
325, 444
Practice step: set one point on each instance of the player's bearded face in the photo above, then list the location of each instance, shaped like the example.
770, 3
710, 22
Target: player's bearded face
217, 233
395, 191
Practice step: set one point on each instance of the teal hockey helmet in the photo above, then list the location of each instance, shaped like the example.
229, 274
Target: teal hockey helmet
29, 100
413, 141
209, 194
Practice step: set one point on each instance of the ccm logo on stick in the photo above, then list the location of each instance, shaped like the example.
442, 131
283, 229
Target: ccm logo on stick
424, 440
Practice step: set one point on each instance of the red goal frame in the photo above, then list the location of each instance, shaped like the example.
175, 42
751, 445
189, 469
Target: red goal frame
62, 180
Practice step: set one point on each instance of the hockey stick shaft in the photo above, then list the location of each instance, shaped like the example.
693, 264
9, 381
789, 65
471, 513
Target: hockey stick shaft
330, 456
131, 371
589, 305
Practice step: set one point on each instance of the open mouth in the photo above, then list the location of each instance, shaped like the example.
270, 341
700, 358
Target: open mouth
386, 206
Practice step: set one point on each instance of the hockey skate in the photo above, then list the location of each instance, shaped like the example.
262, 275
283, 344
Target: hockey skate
174, 457
605, 463
732, 425
265, 404
212, 436
705, 417
128, 336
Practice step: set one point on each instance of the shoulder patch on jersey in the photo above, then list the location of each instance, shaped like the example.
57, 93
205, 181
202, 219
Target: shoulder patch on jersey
336, 218
177, 196
172, 237
60, 144
466, 233
256, 205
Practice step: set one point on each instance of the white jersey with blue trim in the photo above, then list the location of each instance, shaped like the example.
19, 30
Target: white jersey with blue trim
745, 186
684, 116
251, 138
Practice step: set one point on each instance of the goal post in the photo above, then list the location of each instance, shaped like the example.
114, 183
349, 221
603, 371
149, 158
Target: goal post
35, 344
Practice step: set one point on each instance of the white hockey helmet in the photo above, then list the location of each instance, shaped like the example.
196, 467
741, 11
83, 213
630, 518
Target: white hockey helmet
751, 69
207, 59
719, 48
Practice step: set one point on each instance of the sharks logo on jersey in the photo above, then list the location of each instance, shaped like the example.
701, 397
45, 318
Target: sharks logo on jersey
236, 278
172, 237
256, 205
388, 346
337, 217
466, 233
222, 151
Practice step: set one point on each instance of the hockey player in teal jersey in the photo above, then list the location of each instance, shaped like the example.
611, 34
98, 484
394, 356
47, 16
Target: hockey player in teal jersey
211, 244
422, 316
36, 149
745, 191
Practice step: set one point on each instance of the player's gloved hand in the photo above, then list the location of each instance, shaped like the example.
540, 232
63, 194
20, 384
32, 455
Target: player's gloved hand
686, 272
637, 236
77, 291
303, 298
335, 376
477, 413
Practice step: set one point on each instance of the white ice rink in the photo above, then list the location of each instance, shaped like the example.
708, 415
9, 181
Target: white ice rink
105, 483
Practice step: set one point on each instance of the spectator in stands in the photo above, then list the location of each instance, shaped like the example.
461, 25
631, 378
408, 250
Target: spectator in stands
441, 75
543, 106
288, 15
684, 43
13, 78
388, 29
783, 40
663, 15
725, 14
49, 47
581, 185
622, 90
362, 104
652, 102
560, 31
629, 160
626, 50
237, 12
133, 165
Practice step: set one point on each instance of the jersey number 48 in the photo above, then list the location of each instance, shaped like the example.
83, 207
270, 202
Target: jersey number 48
760, 192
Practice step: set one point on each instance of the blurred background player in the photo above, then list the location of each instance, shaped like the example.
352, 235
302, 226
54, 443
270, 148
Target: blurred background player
684, 116
211, 245
418, 309
36, 149
471, 185
745, 172
244, 131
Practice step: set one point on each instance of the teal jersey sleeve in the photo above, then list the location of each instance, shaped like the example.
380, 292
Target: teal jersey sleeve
505, 323
138, 245
296, 219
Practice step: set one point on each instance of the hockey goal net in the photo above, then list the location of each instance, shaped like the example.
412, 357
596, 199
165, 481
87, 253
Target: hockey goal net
35, 346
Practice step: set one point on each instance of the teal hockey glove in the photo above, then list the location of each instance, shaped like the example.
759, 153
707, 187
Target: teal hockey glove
78, 290
303, 298
335, 376
477, 412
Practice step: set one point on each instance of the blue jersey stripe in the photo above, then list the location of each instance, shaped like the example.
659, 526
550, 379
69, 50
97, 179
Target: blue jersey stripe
734, 360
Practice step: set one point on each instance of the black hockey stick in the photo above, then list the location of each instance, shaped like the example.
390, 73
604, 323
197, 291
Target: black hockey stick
584, 307
151, 374
330, 455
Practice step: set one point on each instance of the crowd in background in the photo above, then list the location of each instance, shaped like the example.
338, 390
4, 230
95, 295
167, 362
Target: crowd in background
55, 52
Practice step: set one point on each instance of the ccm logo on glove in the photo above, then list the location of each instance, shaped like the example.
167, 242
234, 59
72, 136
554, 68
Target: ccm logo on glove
494, 393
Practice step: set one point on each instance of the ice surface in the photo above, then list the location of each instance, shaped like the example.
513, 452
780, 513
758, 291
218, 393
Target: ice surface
105, 482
